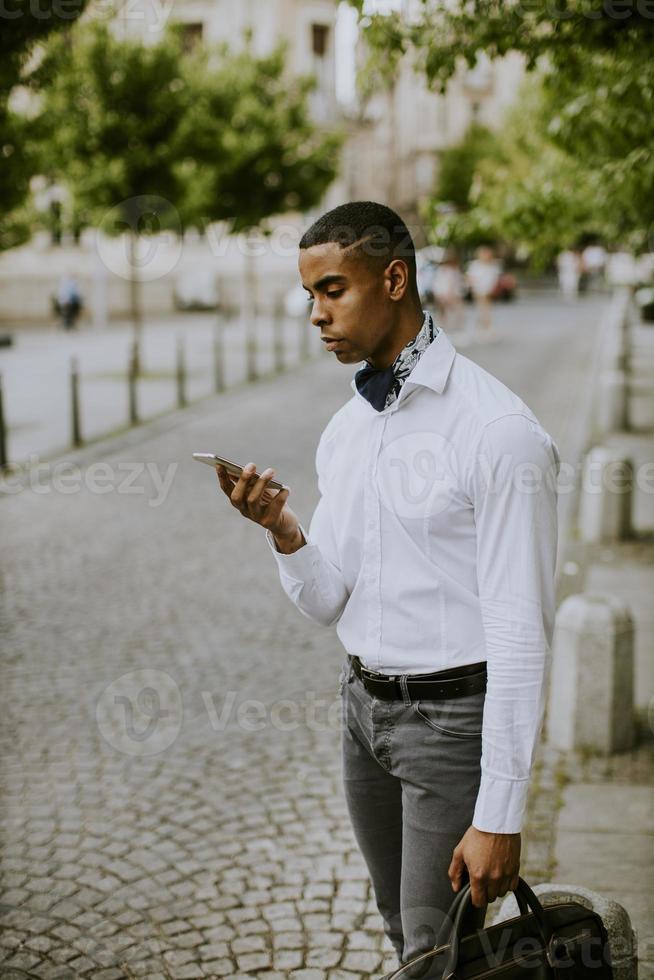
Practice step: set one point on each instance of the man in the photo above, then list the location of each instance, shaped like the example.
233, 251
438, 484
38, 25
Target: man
432, 549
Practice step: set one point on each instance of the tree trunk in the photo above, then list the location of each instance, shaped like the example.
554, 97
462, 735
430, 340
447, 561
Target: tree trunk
135, 300
249, 311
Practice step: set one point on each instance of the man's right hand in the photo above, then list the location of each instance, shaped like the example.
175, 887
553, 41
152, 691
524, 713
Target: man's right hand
252, 498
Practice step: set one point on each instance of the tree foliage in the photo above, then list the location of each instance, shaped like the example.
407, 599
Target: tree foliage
566, 33
525, 191
110, 118
220, 135
586, 142
24, 26
457, 165
250, 147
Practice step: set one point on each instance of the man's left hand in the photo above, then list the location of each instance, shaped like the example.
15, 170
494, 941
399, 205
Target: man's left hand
492, 861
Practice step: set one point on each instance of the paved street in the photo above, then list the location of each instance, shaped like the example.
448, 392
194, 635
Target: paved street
170, 764
36, 373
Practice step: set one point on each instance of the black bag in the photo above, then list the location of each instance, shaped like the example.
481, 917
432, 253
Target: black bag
565, 941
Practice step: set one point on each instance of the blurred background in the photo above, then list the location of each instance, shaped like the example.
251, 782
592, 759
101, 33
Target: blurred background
170, 767
161, 161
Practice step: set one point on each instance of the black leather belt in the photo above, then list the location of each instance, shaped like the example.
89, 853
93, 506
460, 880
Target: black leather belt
455, 682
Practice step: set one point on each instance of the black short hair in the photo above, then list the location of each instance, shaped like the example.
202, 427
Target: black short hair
369, 229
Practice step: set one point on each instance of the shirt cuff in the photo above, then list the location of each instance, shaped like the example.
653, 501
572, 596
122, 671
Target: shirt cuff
299, 564
501, 804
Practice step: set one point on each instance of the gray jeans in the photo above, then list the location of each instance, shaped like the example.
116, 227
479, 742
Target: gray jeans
411, 773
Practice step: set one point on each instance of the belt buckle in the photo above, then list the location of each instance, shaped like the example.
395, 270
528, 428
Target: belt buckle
372, 675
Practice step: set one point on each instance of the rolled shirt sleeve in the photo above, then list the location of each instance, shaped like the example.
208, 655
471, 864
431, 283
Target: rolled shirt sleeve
311, 576
512, 483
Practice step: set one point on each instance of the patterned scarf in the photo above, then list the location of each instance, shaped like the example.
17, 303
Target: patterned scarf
381, 386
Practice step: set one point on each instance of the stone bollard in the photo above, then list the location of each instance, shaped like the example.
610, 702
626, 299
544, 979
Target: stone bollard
615, 347
570, 581
623, 943
606, 494
592, 677
612, 403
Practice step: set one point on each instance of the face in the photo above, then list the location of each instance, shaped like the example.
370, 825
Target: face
355, 306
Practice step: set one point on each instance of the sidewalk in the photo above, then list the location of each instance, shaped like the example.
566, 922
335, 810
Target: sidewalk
591, 819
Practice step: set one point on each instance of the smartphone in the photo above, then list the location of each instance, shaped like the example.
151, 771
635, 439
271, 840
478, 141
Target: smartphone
234, 469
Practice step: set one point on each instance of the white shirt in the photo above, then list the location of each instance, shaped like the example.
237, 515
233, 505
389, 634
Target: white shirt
433, 545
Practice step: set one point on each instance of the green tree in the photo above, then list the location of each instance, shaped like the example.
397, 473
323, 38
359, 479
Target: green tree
565, 34
24, 27
457, 166
536, 195
594, 59
251, 150
108, 128
521, 189
601, 118
147, 137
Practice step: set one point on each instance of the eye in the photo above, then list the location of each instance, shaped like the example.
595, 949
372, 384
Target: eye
335, 293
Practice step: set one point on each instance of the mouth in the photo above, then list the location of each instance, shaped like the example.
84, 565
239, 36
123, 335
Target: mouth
330, 343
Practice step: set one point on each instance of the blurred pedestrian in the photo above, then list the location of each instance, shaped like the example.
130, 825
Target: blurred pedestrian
593, 260
69, 300
483, 275
569, 265
448, 289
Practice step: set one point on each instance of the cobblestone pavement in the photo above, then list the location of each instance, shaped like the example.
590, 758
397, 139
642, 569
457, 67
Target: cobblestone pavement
170, 762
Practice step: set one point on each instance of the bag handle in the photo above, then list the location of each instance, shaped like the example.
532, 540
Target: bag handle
522, 892
445, 931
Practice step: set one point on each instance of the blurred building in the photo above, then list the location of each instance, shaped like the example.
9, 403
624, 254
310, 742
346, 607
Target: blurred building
400, 131
308, 26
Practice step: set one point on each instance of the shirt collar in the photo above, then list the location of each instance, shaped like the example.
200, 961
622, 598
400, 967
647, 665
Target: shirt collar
433, 368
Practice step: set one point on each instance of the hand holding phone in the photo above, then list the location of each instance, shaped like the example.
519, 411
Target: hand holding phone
251, 495
234, 469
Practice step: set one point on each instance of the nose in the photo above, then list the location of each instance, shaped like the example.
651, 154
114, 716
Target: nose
318, 316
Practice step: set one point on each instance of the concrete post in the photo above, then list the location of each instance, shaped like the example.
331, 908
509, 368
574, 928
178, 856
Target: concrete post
132, 381
570, 581
218, 359
592, 676
75, 425
180, 374
606, 493
4, 461
623, 944
611, 402
615, 352
278, 336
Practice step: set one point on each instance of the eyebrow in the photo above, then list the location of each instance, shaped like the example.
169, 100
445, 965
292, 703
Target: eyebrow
326, 281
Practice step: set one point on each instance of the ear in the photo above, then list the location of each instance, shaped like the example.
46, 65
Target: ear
396, 279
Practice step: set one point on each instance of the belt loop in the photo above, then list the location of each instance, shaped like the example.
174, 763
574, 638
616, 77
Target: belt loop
406, 697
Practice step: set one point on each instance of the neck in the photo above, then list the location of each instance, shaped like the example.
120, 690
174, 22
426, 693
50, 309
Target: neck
406, 328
